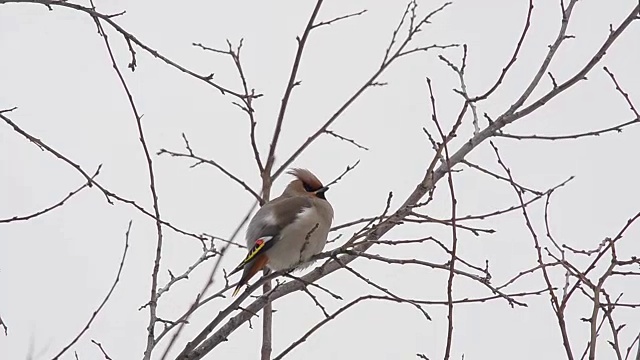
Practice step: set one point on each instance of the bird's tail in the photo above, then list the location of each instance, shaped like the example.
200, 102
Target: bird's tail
250, 270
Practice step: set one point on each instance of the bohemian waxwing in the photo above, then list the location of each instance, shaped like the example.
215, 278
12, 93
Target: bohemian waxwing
288, 230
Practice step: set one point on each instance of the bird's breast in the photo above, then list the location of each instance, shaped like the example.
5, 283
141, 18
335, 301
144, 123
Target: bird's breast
298, 242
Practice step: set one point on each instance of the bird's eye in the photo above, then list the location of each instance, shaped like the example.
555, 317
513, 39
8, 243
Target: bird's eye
307, 187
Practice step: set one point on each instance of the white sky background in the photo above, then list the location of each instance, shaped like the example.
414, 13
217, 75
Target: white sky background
56, 269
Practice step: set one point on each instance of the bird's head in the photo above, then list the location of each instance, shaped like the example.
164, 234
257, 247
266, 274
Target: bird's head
305, 184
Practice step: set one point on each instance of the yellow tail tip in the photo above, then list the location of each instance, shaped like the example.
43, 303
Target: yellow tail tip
236, 291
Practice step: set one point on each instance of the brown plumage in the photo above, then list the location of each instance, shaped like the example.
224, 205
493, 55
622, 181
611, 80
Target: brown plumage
288, 230
307, 178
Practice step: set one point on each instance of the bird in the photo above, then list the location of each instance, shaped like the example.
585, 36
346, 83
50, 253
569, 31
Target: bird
288, 230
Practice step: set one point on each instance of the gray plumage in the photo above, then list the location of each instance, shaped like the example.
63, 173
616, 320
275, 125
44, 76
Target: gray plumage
299, 222
290, 228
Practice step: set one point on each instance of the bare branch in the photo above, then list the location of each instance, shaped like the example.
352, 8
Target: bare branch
104, 301
102, 350
562, 35
315, 301
267, 323
307, 284
54, 206
513, 59
432, 265
454, 235
336, 19
550, 288
389, 58
153, 302
355, 222
304, 337
608, 310
345, 172
617, 128
511, 208
130, 38
580, 75
346, 139
463, 86
46, 147
637, 338
207, 254
109, 195
4, 326
385, 290
499, 177
450, 222
200, 160
290, 85
603, 251
624, 94
200, 300
247, 99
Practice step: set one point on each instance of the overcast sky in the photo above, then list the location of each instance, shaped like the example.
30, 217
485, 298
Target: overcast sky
56, 269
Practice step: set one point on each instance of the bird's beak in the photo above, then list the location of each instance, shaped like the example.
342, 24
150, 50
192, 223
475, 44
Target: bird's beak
322, 190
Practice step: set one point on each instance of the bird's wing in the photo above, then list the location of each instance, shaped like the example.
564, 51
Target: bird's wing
266, 226
259, 247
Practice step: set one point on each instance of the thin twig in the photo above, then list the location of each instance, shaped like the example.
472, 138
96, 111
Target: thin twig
463, 87
302, 41
385, 290
304, 337
106, 298
513, 59
247, 99
346, 139
354, 222
616, 128
547, 279
349, 168
553, 48
200, 160
336, 19
200, 300
206, 255
4, 326
153, 302
454, 235
130, 38
46, 147
499, 177
624, 94
635, 340
390, 57
109, 195
102, 350
54, 206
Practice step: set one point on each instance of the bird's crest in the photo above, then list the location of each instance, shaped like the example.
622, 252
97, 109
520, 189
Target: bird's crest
306, 177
